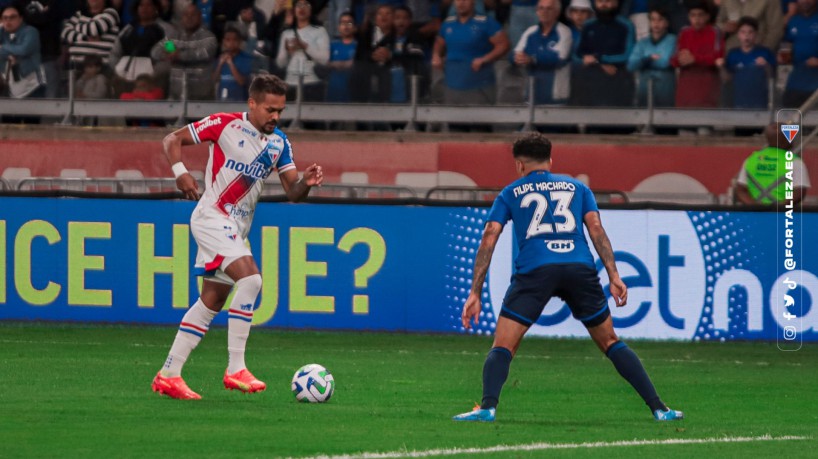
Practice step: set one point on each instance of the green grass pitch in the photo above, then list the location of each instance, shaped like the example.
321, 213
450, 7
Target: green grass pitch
84, 391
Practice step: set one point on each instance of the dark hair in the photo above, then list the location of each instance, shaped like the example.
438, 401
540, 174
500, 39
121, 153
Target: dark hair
235, 30
699, 5
747, 20
533, 146
87, 11
135, 9
404, 8
267, 84
775, 137
14, 7
347, 13
145, 78
661, 12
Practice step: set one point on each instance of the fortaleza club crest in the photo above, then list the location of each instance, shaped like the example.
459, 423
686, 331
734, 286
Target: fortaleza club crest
790, 131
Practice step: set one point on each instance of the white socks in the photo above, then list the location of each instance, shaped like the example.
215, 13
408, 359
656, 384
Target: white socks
194, 325
239, 319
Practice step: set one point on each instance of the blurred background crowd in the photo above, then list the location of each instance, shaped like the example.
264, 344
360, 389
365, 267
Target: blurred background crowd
690, 53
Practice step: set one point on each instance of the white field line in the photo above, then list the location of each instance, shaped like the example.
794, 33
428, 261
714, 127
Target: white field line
545, 446
593, 356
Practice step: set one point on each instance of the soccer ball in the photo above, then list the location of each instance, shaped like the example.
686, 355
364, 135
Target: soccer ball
313, 383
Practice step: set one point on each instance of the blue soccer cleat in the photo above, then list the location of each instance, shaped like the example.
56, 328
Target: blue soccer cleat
668, 415
478, 414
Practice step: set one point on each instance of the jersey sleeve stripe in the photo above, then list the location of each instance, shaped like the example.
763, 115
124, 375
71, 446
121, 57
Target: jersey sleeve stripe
285, 168
193, 133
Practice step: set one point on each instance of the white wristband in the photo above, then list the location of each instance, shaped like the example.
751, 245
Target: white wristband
179, 169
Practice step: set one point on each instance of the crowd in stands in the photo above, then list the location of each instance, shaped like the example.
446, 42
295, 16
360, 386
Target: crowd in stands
693, 53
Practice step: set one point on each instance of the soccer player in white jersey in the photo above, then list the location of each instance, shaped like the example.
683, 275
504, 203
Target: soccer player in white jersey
244, 149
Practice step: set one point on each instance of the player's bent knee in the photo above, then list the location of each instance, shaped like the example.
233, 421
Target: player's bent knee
250, 284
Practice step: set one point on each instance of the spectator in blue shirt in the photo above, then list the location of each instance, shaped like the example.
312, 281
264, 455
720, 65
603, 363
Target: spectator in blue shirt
749, 66
20, 53
408, 57
802, 32
233, 68
604, 47
341, 59
545, 49
651, 58
471, 44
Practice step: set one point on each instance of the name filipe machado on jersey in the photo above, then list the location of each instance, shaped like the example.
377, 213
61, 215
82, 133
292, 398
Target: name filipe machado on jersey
543, 186
256, 170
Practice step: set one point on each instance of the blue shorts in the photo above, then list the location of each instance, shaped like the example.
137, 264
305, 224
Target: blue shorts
575, 283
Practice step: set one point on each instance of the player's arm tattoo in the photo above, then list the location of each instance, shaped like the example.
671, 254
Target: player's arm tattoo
484, 253
603, 248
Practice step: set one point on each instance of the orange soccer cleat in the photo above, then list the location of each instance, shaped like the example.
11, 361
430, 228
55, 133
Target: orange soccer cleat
244, 381
174, 388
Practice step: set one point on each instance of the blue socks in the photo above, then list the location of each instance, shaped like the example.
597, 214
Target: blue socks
628, 365
495, 373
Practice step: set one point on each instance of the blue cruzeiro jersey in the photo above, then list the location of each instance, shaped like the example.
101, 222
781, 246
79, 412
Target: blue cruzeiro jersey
547, 211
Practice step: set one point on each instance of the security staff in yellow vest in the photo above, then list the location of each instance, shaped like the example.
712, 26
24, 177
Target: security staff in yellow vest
764, 176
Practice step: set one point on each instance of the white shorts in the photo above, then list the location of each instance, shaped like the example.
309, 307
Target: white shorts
220, 243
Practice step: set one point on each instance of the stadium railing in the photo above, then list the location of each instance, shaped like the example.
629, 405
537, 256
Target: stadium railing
165, 186
347, 191
101, 185
410, 114
465, 193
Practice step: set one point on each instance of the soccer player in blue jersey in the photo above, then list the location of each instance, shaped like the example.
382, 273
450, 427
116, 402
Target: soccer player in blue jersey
548, 211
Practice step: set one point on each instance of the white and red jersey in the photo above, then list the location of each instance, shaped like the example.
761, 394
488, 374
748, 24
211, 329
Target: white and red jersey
240, 159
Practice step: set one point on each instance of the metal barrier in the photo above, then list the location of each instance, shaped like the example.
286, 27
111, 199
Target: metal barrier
332, 190
673, 198
101, 185
462, 193
524, 115
611, 197
465, 193
272, 188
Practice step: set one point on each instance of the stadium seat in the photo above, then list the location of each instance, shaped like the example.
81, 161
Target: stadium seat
13, 175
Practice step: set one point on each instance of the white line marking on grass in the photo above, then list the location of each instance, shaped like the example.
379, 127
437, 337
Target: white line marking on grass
407, 351
544, 446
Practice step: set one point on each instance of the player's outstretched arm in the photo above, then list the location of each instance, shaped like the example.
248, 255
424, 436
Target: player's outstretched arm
471, 309
172, 144
298, 189
603, 248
